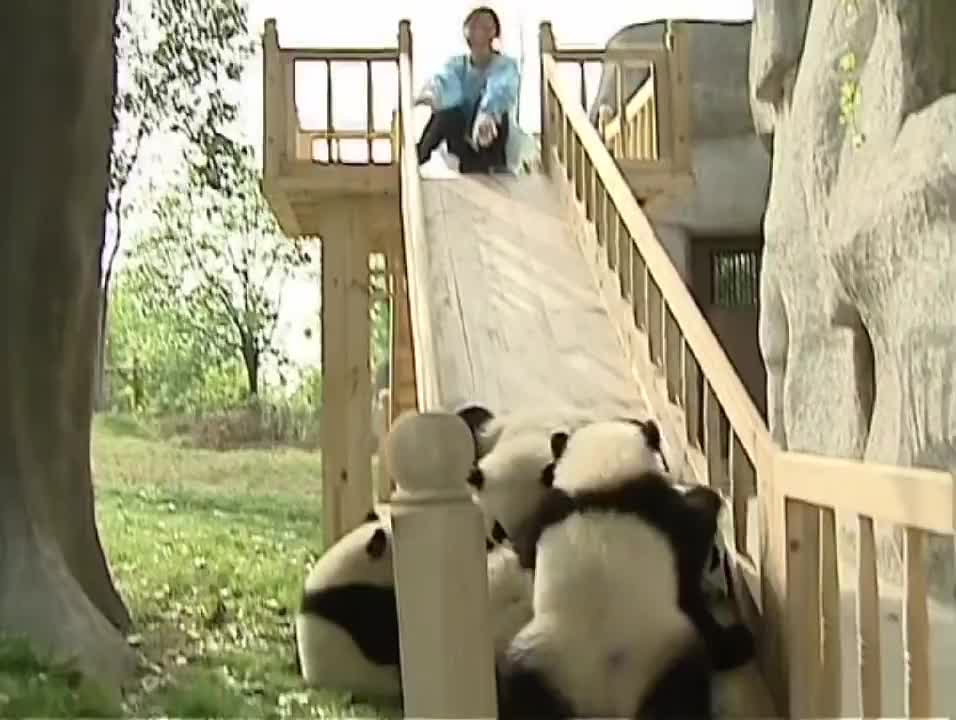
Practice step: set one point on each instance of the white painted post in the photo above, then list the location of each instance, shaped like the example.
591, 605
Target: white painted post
441, 576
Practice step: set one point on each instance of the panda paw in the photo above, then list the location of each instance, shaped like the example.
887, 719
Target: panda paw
737, 647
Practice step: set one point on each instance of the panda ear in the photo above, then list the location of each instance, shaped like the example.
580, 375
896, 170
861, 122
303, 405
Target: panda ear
652, 434
559, 441
474, 416
476, 478
376, 544
371, 517
547, 475
705, 501
498, 533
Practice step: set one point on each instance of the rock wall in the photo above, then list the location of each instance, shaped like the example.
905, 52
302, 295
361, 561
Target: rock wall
858, 307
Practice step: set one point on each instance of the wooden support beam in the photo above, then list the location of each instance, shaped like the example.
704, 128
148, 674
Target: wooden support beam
346, 373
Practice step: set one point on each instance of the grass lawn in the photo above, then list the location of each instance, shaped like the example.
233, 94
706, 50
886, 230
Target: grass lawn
209, 551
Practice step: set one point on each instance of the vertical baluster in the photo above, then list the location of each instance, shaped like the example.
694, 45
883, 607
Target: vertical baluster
717, 475
868, 622
623, 255
638, 287
672, 356
369, 110
803, 607
328, 110
655, 321
831, 691
692, 399
584, 87
915, 626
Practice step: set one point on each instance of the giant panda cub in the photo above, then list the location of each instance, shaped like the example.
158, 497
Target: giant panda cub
622, 450
346, 629
488, 429
618, 553
513, 452
510, 589
347, 625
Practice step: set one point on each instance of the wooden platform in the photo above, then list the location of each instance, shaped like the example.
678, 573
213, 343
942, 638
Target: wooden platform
518, 318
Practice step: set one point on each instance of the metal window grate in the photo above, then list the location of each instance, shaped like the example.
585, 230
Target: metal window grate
735, 278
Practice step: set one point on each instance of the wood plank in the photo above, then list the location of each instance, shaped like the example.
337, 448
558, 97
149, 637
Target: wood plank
520, 318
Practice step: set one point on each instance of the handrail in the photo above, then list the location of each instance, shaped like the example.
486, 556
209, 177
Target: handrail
424, 350
713, 360
343, 54
796, 582
641, 97
299, 140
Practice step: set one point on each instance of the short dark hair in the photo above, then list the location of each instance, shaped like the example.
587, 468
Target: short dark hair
484, 9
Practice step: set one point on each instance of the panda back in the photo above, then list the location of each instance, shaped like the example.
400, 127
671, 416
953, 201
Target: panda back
595, 568
331, 659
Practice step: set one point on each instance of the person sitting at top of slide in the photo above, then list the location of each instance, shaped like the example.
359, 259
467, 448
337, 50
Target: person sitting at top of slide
472, 98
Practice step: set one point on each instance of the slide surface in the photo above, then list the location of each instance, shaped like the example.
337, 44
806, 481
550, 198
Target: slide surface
517, 316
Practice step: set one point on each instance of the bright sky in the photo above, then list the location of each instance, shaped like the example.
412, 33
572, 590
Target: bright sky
436, 32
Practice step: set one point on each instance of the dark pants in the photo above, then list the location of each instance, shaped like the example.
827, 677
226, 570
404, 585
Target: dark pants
449, 125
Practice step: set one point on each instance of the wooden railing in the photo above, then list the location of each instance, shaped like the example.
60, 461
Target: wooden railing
370, 143
424, 349
650, 131
791, 577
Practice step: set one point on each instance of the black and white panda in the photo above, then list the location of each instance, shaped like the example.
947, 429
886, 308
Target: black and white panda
510, 589
618, 553
488, 428
347, 625
346, 629
509, 481
513, 453
716, 581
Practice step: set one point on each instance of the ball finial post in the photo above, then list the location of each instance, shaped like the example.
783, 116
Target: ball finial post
430, 453
441, 573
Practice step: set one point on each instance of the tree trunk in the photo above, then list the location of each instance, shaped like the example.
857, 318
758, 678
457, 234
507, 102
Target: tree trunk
55, 585
250, 356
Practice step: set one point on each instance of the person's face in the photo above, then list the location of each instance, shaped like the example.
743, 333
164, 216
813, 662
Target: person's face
480, 31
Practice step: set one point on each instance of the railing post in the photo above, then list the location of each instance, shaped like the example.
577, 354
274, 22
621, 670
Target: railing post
274, 107
546, 44
441, 578
405, 41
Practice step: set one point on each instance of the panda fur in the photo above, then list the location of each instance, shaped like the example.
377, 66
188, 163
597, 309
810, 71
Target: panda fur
603, 640
347, 625
508, 482
510, 589
346, 630
716, 581
513, 452
616, 451
488, 429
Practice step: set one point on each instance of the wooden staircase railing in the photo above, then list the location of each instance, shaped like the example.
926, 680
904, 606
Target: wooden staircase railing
789, 566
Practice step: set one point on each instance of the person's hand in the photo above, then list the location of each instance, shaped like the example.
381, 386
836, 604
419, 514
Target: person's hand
486, 130
426, 97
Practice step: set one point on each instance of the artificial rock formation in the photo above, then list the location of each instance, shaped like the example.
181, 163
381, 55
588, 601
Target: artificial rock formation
57, 68
858, 306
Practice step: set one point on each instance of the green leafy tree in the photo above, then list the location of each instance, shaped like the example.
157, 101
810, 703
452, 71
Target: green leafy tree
217, 255
179, 61
158, 365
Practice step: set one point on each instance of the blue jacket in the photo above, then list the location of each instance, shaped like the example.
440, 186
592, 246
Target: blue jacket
494, 88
